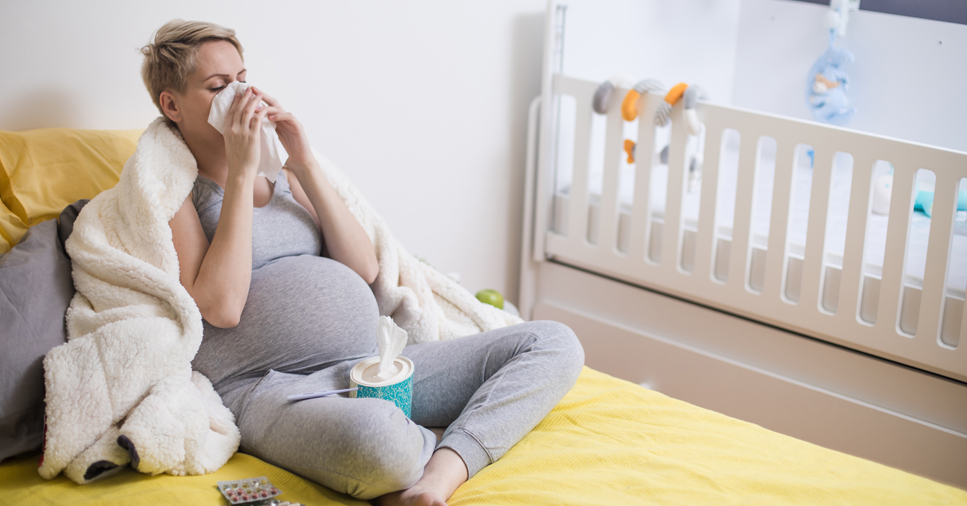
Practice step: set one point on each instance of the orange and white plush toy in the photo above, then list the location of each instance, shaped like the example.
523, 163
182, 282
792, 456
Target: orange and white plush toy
691, 95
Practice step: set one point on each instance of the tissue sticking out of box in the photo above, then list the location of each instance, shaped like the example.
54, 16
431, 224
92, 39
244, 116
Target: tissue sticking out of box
391, 339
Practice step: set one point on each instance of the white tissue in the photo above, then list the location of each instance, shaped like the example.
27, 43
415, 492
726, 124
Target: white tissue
271, 162
391, 339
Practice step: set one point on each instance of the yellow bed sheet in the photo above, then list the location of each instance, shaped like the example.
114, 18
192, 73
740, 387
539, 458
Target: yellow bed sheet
608, 442
613, 442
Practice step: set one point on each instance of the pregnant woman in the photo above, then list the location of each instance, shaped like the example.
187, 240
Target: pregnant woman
280, 273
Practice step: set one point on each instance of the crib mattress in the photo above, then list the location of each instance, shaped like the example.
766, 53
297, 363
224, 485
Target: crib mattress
607, 442
835, 239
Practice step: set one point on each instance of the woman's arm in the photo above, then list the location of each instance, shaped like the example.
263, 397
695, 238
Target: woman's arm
344, 237
218, 275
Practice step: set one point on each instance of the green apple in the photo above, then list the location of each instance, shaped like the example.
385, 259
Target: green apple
492, 297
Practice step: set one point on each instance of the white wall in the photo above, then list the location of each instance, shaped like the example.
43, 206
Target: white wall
909, 79
422, 104
690, 41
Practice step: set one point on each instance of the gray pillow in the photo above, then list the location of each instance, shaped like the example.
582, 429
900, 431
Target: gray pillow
35, 290
65, 223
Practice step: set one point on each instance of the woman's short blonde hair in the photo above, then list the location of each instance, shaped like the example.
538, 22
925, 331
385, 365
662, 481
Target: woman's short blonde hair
171, 57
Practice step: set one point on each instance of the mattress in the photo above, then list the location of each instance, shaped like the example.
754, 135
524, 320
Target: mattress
875, 243
607, 442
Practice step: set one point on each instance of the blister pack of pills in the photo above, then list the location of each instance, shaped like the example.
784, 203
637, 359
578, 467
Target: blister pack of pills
248, 490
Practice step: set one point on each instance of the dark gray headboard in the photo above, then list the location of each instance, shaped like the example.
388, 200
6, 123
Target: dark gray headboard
951, 11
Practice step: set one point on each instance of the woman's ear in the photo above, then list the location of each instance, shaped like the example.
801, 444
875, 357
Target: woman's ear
170, 107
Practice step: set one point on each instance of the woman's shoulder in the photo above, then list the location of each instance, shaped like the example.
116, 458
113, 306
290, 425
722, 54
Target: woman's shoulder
205, 193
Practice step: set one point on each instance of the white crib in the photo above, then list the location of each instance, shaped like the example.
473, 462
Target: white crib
769, 290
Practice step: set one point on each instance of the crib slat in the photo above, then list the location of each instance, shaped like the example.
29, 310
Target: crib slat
781, 193
644, 155
901, 203
859, 209
963, 327
706, 210
938, 247
816, 230
673, 200
742, 223
882, 338
608, 215
578, 213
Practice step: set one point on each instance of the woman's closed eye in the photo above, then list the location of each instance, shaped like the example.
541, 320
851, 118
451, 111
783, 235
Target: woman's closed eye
222, 87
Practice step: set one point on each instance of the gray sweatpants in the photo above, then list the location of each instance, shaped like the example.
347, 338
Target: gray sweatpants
488, 389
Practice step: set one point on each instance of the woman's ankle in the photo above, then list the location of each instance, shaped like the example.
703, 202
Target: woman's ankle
443, 474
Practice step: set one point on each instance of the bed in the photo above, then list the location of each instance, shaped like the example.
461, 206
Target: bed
767, 289
609, 441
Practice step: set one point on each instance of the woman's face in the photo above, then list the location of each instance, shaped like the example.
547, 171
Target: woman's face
217, 64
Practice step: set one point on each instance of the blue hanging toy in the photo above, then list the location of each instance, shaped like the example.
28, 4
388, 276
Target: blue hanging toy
828, 83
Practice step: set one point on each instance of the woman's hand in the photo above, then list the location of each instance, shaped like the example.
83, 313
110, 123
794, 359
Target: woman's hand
243, 133
292, 135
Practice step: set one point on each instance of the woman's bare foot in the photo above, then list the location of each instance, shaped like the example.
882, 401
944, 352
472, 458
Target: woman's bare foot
442, 475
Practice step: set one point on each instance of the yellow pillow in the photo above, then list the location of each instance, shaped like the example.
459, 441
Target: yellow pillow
12, 228
43, 171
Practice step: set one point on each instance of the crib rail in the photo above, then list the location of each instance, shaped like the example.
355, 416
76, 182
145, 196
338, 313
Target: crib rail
882, 313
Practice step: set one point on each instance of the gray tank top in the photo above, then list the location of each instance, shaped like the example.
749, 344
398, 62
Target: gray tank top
303, 313
281, 228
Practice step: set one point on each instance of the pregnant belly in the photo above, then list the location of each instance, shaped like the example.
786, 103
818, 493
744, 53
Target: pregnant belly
303, 314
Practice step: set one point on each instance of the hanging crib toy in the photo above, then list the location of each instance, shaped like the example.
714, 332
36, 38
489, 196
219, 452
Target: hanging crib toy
629, 112
827, 84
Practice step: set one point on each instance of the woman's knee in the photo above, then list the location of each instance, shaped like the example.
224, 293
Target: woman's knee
387, 453
563, 341
362, 447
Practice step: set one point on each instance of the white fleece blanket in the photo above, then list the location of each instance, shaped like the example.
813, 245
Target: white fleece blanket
121, 390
